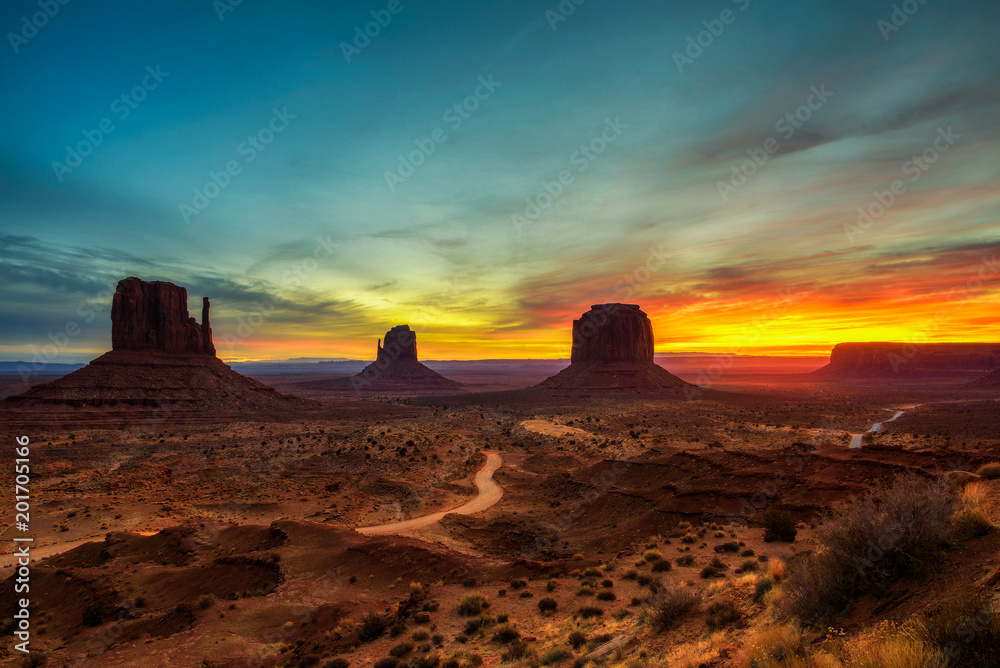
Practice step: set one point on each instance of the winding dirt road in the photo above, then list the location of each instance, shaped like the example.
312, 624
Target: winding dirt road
489, 494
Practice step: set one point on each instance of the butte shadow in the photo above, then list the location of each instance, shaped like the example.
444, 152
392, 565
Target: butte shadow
163, 363
396, 370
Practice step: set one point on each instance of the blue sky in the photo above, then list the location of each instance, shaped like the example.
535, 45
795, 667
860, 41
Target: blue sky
442, 250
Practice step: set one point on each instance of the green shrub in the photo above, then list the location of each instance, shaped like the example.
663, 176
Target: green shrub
661, 566
731, 546
606, 596
588, 611
576, 639
763, 586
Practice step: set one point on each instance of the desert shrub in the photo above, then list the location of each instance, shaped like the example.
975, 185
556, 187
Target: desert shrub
971, 521
661, 566
554, 655
592, 573
747, 553
715, 568
967, 630
651, 556
473, 626
588, 611
779, 526
685, 560
420, 635
372, 627
607, 584
551, 585
506, 633
630, 574
871, 542
516, 651
670, 605
585, 590
387, 662
206, 601
749, 564
990, 471
772, 647
469, 582
429, 661
93, 614
518, 584
337, 663
503, 617
576, 639
397, 629
606, 596
731, 546
888, 647
547, 605
760, 589
688, 538
140, 601
473, 604
721, 613
401, 650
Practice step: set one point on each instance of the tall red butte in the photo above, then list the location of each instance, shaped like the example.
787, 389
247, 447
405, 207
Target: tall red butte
160, 358
613, 353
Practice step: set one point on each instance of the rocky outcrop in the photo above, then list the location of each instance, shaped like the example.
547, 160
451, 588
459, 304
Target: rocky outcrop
400, 344
154, 316
397, 370
161, 360
613, 333
613, 353
889, 360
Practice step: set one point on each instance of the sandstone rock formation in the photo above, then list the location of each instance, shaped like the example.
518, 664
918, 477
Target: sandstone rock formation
613, 352
396, 368
161, 359
886, 360
154, 316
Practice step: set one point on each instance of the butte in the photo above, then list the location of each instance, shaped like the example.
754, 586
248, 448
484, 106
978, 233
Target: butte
160, 359
613, 354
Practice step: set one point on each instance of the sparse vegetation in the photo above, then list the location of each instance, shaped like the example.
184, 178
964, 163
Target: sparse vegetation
989, 471
721, 614
779, 526
372, 627
670, 605
869, 543
473, 604
547, 605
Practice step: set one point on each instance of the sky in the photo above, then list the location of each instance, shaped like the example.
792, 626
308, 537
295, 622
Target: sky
761, 177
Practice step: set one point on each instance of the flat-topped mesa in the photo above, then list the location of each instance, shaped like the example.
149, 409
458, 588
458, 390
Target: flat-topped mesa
613, 333
613, 353
400, 344
153, 315
888, 359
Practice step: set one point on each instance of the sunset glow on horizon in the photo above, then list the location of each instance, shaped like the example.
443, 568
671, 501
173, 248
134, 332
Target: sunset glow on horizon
485, 175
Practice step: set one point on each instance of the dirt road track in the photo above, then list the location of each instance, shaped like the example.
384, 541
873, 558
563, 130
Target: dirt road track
489, 494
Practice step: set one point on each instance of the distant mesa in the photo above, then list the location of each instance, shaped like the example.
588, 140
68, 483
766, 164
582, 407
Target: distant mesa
396, 368
160, 358
613, 352
991, 380
887, 360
